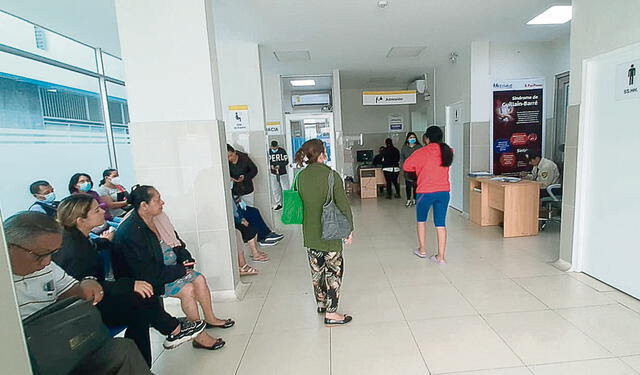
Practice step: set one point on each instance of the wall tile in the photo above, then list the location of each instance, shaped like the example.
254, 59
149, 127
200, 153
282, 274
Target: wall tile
573, 125
480, 133
479, 159
566, 233
569, 175
215, 259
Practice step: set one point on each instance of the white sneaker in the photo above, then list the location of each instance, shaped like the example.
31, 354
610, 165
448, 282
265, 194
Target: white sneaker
408, 204
413, 202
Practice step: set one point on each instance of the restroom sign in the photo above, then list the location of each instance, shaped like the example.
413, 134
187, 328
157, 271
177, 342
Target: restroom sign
388, 97
628, 80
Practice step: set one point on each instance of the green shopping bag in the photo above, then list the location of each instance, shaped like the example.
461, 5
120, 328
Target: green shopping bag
292, 207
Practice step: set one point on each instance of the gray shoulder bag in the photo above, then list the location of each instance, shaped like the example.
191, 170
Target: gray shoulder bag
335, 226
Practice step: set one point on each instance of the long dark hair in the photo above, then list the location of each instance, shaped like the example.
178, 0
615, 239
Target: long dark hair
409, 134
434, 134
141, 193
74, 181
105, 174
309, 152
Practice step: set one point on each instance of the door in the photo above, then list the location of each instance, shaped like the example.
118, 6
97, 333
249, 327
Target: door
454, 133
556, 147
607, 204
303, 127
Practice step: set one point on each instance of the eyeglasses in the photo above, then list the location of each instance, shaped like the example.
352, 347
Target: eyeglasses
38, 257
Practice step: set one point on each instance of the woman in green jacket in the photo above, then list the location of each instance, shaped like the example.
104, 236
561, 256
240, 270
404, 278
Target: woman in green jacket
325, 256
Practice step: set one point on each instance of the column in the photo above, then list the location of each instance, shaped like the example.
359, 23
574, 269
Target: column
177, 128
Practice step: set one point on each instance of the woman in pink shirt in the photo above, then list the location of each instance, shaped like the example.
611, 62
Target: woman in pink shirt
431, 164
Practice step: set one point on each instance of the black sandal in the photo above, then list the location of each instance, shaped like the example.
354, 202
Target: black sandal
321, 310
227, 324
335, 322
216, 345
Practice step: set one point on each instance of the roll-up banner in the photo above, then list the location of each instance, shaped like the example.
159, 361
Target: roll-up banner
388, 97
517, 124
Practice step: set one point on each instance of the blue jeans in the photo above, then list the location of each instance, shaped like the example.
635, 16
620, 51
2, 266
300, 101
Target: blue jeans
254, 218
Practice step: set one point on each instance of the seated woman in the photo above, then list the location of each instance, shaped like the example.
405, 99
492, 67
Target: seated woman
249, 236
126, 302
113, 193
81, 183
148, 248
266, 237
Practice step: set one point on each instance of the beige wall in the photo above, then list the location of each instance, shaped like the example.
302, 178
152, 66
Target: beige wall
597, 27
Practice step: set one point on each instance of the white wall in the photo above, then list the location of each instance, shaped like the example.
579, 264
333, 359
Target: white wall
453, 84
358, 118
92, 22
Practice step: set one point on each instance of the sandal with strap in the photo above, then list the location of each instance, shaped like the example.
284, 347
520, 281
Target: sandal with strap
247, 270
261, 258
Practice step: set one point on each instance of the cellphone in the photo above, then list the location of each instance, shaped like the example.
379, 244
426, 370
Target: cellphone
189, 264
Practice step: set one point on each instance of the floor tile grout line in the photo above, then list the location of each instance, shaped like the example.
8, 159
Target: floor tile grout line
406, 322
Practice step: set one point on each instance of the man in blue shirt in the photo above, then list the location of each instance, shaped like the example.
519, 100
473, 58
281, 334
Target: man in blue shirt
46, 202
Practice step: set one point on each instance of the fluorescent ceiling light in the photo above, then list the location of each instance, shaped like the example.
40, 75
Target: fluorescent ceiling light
555, 15
303, 82
311, 121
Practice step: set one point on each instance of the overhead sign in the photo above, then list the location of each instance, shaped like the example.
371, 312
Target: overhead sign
388, 97
627, 80
238, 118
517, 123
396, 123
274, 128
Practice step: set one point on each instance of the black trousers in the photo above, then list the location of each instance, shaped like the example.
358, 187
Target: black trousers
248, 233
392, 178
138, 314
410, 189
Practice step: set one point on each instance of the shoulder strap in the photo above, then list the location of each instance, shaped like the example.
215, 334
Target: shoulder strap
295, 181
331, 184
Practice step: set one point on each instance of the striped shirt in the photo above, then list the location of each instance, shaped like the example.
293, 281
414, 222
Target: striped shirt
39, 289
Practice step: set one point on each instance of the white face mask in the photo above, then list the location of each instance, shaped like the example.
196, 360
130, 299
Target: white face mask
116, 180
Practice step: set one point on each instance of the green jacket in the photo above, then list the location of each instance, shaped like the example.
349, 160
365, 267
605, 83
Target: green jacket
313, 187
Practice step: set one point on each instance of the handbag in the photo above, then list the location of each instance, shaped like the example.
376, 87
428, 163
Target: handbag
292, 206
335, 226
63, 334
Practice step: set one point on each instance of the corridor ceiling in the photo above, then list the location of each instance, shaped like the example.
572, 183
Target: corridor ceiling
355, 36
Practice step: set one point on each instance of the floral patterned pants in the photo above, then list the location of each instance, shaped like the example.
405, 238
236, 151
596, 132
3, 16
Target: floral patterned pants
326, 277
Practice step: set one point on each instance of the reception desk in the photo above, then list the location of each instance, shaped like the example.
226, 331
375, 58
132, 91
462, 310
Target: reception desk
515, 205
370, 178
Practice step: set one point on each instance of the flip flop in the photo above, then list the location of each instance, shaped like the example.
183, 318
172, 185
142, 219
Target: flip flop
434, 259
419, 254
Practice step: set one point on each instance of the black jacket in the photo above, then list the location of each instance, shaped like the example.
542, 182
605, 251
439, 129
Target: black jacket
137, 254
81, 257
390, 157
244, 167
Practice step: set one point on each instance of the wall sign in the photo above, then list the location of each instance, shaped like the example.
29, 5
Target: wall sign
274, 128
517, 123
238, 118
396, 123
388, 97
628, 80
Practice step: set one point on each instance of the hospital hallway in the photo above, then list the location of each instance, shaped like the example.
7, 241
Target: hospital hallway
497, 307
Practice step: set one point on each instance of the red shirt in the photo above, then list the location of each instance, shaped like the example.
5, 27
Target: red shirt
427, 164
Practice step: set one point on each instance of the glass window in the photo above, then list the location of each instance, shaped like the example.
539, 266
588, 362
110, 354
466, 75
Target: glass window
50, 128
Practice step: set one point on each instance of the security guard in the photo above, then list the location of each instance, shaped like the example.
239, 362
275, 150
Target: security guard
544, 171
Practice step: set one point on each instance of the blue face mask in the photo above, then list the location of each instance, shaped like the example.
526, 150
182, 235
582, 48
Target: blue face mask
85, 187
242, 204
274, 151
50, 198
412, 141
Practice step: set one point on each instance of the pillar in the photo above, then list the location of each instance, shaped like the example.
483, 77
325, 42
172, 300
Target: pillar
177, 129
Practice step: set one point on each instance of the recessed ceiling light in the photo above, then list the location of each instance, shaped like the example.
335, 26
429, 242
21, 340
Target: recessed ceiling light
405, 51
556, 15
310, 121
303, 82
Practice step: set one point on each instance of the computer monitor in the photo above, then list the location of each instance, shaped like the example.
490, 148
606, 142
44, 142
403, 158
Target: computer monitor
364, 156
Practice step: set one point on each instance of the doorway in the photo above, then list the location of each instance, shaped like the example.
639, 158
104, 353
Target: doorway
454, 134
557, 137
305, 126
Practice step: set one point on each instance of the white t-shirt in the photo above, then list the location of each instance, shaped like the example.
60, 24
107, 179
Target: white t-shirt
39, 289
113, 193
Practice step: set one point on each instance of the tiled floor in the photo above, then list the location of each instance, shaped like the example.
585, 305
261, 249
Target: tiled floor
496, 308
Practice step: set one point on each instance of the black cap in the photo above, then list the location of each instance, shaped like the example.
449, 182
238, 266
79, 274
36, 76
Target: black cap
274, 143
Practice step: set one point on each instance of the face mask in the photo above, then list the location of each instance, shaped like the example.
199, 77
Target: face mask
412, 141
85, 187
274, 151
50, 198
243, 205
115, 180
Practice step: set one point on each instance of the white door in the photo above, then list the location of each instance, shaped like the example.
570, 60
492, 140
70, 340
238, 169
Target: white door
606, 240
303, 127
454, 133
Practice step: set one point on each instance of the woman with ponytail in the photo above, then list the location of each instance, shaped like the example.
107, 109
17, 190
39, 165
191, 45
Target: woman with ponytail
431, 163
325, 256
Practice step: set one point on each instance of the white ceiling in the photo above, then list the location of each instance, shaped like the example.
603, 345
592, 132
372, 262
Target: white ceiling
355, 35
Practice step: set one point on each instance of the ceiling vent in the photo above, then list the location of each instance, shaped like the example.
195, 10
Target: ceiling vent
286, 56
405, 51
